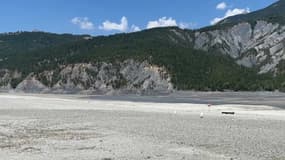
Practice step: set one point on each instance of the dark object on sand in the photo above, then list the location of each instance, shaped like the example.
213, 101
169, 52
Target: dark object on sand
228, 113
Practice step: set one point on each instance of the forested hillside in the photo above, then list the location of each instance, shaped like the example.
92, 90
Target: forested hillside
167, 47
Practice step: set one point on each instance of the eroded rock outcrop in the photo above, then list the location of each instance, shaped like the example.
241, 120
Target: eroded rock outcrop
127, 76
261, 44
8, 78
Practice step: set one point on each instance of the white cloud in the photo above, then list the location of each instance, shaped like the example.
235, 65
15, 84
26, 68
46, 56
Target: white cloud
135, 28
229, 13
162, 22
222, 6
109, 26
83, 23
169, 22
184, 25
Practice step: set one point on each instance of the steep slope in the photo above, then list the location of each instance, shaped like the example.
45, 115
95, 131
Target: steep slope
274, 13
260, 45
254, 40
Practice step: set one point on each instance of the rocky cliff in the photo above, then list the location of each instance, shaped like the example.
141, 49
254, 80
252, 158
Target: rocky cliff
261, 44
103, 78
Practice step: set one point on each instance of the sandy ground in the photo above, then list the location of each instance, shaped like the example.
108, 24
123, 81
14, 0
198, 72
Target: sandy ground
44, 127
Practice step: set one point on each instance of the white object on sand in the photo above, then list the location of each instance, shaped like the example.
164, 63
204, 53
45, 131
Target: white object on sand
201, 115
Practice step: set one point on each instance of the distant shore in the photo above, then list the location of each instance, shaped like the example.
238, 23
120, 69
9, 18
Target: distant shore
276, 99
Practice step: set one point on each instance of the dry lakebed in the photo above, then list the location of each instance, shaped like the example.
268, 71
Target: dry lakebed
77, 127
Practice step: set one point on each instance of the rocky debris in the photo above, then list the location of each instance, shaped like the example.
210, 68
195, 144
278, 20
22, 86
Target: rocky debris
31, 84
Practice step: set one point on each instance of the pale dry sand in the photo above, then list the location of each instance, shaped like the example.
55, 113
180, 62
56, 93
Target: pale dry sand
60, 127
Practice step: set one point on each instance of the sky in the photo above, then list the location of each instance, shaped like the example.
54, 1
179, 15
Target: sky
104, 17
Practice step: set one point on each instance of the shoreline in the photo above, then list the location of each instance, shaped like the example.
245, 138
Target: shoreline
276, 99
75, 102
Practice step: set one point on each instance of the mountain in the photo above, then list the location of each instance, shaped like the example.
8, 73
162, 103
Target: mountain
252, 40
244, 52
274, 13
19, 42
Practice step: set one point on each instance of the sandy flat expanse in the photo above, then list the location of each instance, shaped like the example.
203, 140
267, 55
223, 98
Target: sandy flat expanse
44, 127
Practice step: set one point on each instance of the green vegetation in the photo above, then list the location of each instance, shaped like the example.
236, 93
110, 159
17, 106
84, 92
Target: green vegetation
274, 13
168, 47
19, 42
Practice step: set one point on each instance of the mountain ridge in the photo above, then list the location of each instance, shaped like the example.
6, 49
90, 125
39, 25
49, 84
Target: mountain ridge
274, 13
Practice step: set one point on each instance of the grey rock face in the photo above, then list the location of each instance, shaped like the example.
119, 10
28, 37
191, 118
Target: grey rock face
180, 36
6, 78
31, 85
126, 76
260, 44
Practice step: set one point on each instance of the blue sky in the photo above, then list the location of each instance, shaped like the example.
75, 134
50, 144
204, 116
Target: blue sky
105, 17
